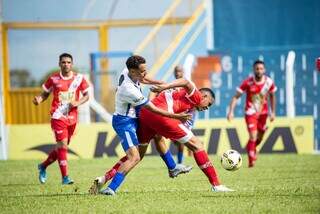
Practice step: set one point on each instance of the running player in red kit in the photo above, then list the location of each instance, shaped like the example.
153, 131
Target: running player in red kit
66, 87
318, 64
257, 87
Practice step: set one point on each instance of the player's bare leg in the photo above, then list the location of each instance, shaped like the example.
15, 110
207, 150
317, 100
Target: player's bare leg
202, 159
251, 148
133, 158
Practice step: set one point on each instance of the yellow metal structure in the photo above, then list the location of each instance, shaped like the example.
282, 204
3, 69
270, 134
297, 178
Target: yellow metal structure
6, 74
185, 49
93, 25
106, 97
173, 45
157, 27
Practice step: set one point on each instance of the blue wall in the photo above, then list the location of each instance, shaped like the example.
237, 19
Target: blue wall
253, 23
245, 30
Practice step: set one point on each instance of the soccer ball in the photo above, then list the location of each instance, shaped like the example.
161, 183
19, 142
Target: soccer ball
231, 160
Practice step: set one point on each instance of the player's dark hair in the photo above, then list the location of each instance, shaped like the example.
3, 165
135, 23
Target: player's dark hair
134, 61
258, 62
176, 68
65, 55
210, 91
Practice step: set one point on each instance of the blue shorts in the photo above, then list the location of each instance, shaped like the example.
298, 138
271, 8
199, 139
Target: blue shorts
126, 128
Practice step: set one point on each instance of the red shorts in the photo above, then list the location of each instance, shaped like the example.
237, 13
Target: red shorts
256, 122
62, 130
151, 124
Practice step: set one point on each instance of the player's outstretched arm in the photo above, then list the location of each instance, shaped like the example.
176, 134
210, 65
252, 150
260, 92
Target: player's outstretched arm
181, 82
40, 98
232, 105
147, 80
181, 116
273, 106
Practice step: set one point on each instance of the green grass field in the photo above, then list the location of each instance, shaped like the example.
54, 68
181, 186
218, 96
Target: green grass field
278, 184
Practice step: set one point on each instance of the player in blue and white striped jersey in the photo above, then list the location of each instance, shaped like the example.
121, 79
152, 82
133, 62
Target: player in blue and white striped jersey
129, 99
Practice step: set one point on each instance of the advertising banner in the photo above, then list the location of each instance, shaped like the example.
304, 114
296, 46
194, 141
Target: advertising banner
99, 140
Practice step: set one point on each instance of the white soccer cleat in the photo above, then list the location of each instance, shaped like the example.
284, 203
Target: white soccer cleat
97, 185
179, 169
108, 191
221, 188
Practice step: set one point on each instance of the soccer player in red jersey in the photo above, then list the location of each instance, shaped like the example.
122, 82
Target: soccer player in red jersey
178, 73
66, 86
257, 87
318, 63
177, 101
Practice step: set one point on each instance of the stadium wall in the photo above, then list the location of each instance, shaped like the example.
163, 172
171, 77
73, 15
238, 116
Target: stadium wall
273, 23
268, 30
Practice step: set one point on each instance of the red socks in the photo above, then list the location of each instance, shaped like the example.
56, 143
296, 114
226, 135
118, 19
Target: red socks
251, 150
62, 159
109, 174
206, 166
52, 157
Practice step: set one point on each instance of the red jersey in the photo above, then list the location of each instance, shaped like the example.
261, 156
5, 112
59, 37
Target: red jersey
174, 101
256, 100
65, 90
177, 101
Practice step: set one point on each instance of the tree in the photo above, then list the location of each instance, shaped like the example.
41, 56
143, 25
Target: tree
21, 78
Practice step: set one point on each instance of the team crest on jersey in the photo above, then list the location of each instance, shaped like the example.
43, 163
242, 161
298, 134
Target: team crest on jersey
66, 96
257, 101
257, 98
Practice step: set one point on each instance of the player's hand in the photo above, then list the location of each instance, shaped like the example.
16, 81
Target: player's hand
74, 104
37, 100
272, 116
230, 116
183, 117
158, 88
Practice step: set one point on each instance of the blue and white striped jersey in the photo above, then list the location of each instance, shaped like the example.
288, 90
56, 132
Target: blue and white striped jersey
129, 97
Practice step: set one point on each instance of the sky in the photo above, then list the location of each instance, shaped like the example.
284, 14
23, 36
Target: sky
38, 50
